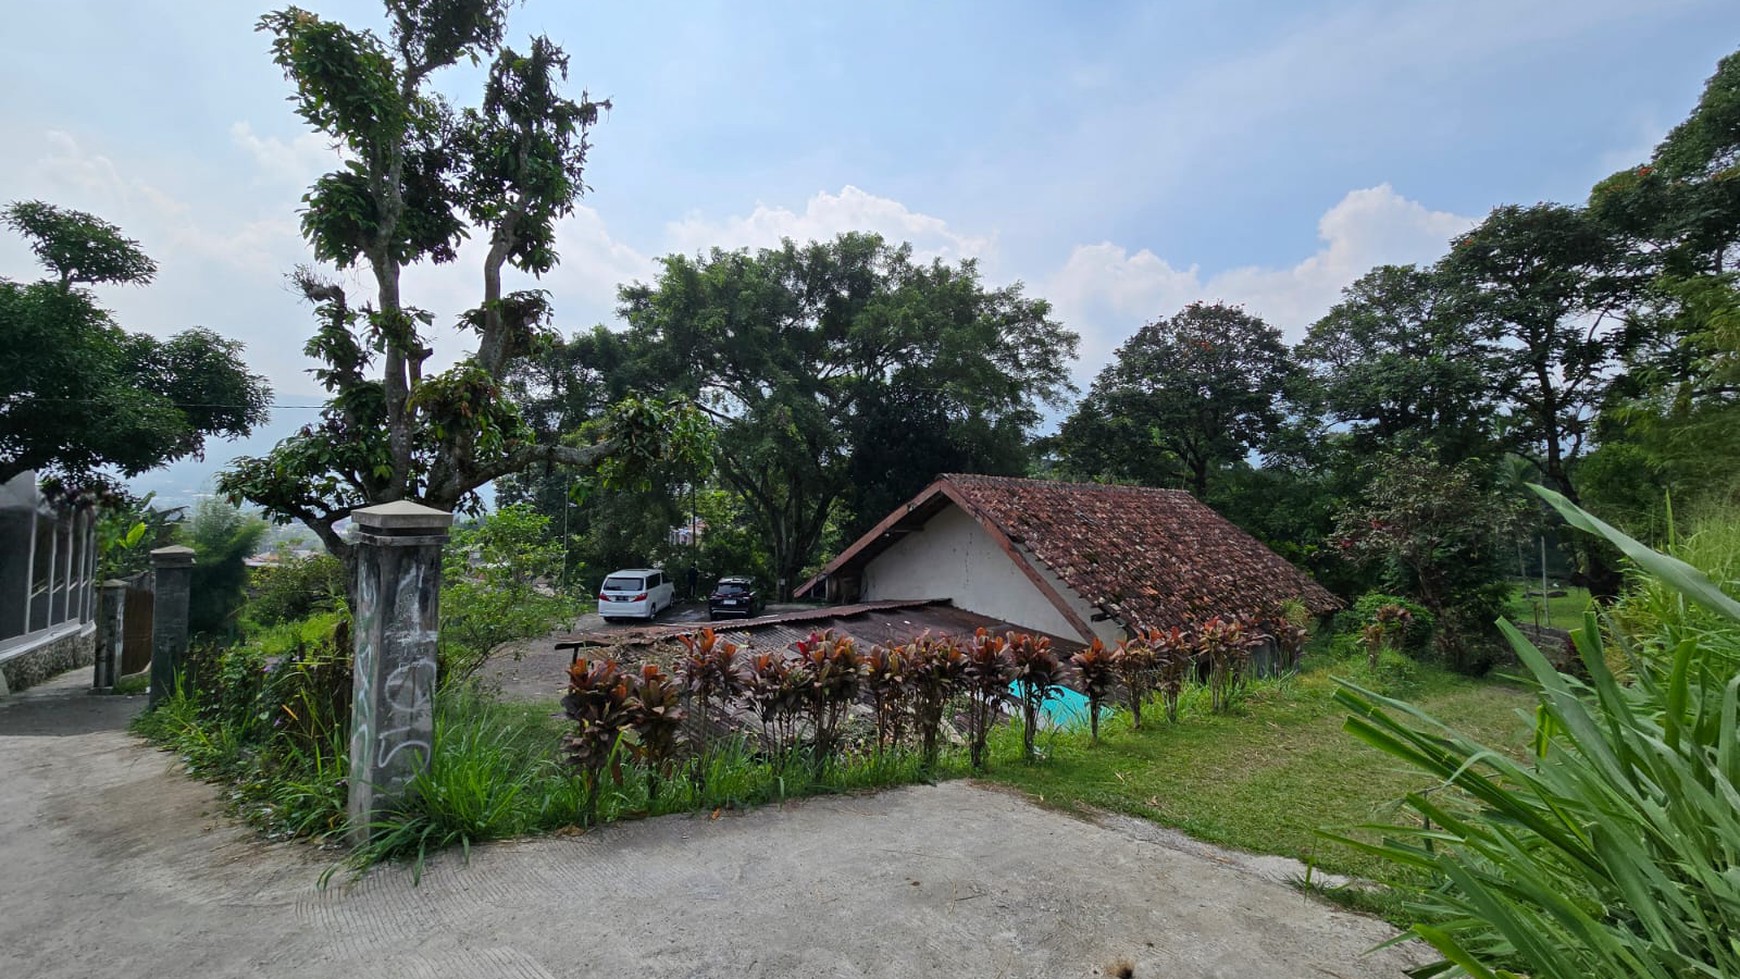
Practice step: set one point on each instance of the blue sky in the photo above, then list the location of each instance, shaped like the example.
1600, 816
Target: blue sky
1121, 159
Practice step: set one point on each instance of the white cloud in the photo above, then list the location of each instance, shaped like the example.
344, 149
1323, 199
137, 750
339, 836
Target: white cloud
1105, 292
824, 216
298, 161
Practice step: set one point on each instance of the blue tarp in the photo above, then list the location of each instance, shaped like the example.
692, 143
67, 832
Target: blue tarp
1063, 708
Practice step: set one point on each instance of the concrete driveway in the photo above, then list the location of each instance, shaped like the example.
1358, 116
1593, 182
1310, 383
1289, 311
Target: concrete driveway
112, 864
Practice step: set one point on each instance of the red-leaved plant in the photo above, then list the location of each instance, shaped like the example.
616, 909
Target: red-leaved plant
985, 680
1096, 677
1134, 663
887, 676
598, 702
935, 668
831, 675
1037, 673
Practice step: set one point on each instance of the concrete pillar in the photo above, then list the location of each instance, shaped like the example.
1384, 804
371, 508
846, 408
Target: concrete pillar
172, 569
109, 632
398, 591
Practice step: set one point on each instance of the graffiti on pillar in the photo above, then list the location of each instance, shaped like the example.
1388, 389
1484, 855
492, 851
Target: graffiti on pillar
407, 696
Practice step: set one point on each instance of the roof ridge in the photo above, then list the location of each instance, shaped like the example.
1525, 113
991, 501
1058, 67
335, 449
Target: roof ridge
1068, 484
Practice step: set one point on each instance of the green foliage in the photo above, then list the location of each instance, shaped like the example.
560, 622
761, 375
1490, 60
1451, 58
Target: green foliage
129, 528
417, 177
78, 394
816, 360
496, 587
294, 588
1414, 638
1181, 398
1396, 362
1442, 535
222, 538
1610, 851
270, 718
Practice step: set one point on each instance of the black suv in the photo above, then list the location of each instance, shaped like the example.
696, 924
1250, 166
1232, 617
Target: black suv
734, 596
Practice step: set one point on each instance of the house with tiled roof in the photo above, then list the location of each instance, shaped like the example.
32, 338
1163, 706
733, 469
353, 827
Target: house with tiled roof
1069, 559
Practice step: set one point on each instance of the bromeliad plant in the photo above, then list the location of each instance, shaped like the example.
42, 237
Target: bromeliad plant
1097, 676
985, 677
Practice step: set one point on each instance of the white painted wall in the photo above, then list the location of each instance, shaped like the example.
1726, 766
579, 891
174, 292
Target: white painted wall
953, 557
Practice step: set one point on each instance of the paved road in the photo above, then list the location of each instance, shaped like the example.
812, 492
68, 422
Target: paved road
111, 864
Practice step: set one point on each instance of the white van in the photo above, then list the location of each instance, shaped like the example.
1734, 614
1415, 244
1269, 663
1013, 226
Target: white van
640, 594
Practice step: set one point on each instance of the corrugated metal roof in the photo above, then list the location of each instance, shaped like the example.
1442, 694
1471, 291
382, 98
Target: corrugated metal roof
870, 623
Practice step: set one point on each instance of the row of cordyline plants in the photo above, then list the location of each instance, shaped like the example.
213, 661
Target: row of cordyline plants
793, 706
1615, 849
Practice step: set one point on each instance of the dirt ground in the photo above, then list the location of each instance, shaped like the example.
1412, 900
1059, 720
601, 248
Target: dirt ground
114, 864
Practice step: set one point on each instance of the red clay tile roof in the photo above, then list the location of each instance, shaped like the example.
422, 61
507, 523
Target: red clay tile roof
1151, 558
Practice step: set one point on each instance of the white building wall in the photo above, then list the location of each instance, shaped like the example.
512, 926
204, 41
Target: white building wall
953, 557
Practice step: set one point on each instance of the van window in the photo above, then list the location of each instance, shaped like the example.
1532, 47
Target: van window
654, 580
622, 583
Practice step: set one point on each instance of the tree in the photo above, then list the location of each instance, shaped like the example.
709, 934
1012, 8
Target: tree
1393, 362
1442, 534
222, 538
1182, 397
417, 176
1536, 282
78, 394
494, 575
806, 355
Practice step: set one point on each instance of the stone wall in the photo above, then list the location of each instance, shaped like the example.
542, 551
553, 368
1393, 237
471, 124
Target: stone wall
50, 655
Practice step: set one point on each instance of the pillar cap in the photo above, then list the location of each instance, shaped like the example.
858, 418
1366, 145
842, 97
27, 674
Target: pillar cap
401, 515
172, 556
114, 583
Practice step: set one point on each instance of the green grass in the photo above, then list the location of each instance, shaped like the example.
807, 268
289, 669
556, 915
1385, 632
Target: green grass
1565, 612
1267, 777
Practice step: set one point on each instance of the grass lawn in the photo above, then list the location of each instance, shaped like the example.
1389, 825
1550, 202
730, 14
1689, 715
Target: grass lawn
1565, 612
1267, 777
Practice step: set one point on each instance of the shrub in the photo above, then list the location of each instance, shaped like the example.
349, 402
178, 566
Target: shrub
1175, 656
597, 702
1414, 639
1135, 663
222, 537
294, 588
1036, 672
828, 671
1224, 644
1612, 851
1096, 676
985, 675
887, 676
937, 668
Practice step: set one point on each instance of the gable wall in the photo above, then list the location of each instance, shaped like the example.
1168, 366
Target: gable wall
953, 557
